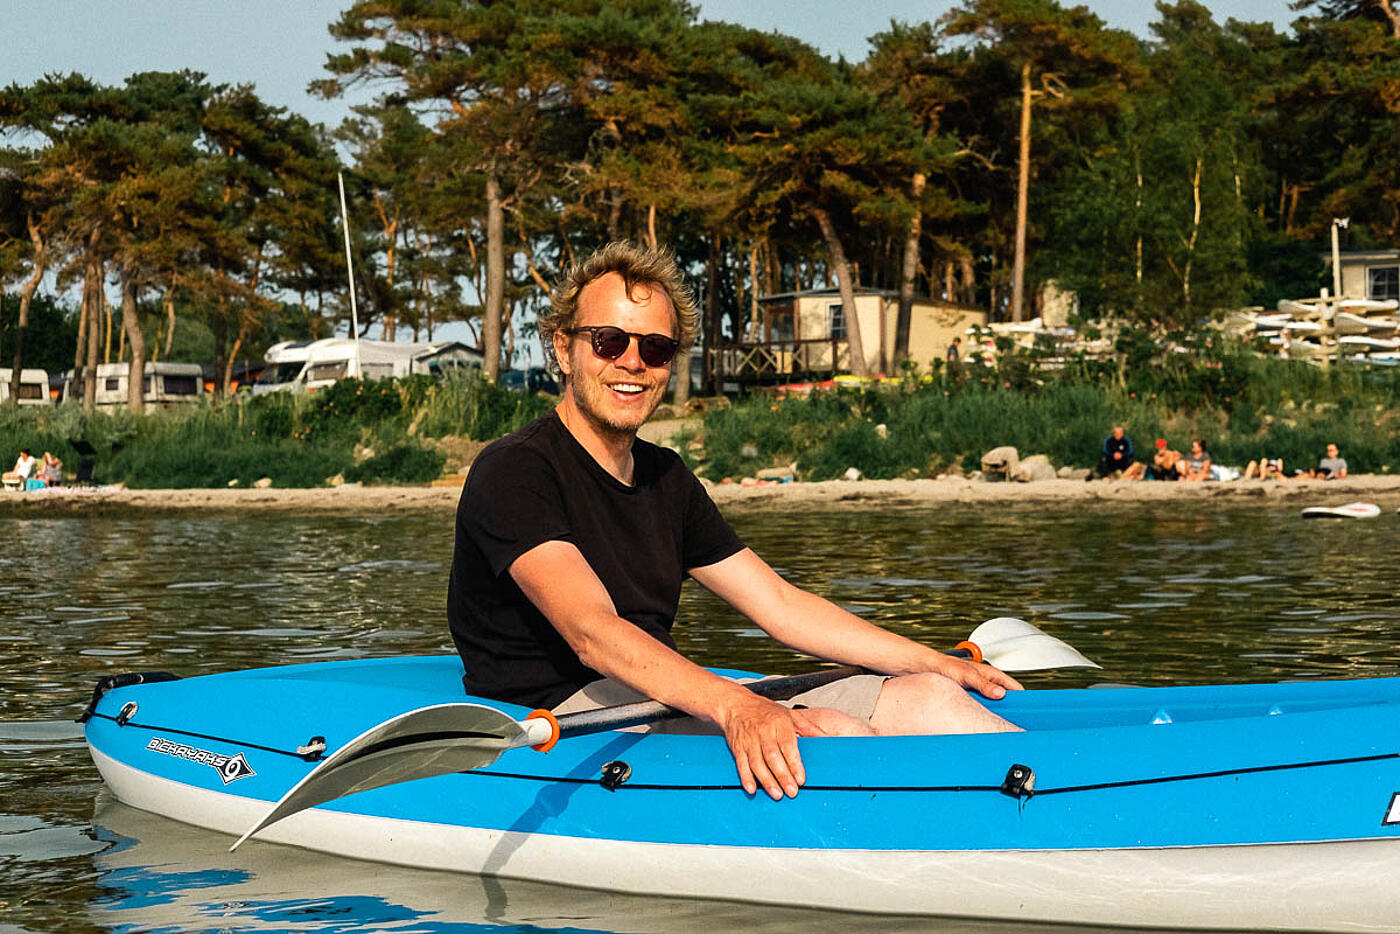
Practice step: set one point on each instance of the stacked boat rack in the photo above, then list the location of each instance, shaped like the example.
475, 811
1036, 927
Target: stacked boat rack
1353, 330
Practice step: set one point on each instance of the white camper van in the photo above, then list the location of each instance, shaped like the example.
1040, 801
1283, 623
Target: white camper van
166, 383
311, 366
286, 367
33, 386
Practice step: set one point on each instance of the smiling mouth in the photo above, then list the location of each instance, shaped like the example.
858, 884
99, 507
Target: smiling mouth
629, 389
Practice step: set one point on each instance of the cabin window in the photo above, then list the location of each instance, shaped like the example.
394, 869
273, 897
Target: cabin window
836, 317
146, 386
322, 371
112, 385
1383, 283
32, 391
181, 385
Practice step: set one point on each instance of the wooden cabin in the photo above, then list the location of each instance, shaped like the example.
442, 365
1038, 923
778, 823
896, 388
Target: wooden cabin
805, 335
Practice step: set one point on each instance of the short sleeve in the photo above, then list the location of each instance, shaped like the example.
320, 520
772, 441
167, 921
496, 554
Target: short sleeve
709, 539
511, 503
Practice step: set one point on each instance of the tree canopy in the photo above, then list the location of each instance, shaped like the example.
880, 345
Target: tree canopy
1009, 144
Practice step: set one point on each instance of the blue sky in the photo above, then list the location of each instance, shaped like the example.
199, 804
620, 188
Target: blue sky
281, 45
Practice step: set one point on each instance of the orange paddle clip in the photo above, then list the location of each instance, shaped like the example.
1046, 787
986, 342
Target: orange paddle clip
972, 649
553, 721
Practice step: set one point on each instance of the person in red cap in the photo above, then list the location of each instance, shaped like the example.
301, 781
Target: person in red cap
1166, 463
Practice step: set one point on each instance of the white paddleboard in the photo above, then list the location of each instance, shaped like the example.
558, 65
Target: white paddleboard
1349, 511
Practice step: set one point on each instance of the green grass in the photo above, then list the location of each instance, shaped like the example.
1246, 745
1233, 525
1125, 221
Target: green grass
296, 440
1244, 405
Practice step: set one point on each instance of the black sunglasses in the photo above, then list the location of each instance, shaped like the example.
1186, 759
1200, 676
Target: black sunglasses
609, 343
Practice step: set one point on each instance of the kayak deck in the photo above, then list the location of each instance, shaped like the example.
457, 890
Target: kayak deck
1199, 783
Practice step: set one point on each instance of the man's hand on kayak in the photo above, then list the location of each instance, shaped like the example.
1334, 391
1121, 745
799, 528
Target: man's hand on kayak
992, 683
762, 735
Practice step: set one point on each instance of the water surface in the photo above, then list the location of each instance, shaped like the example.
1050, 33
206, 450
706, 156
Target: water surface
1158, 594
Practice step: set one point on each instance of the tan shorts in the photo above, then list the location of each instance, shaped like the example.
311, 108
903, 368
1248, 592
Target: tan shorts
854, 696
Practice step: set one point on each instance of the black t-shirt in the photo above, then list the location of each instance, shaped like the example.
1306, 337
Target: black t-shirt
540, 485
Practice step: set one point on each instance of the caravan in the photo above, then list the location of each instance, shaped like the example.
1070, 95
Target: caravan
286, 365
166, 384
314, 365
33, 386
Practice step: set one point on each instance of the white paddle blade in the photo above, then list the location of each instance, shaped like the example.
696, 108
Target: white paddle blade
1013, 644
421, 743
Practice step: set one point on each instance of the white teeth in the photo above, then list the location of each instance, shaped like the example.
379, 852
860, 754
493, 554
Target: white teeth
627, 387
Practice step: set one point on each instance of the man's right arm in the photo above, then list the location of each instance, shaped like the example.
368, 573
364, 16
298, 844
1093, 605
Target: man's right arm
558, 580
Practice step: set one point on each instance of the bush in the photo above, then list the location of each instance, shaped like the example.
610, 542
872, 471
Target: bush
404, 463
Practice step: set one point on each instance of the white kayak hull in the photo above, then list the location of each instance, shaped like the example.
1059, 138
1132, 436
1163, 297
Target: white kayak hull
1208, 887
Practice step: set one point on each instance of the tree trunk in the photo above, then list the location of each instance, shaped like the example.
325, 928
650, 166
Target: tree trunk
711, 335
243, 327
652, 242
755, 314
26, 295
1137, 222
1388, 8
1195, 236
80, 347
94, 335
219, 328
908, 271
131, 327
106, 320
1023, 185
169, 321
614, 214
842, 269
494, 313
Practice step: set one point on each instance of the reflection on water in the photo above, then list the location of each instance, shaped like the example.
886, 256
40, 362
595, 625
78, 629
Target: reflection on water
1157, 594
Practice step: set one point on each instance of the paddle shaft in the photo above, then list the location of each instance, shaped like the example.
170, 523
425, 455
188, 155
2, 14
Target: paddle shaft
621, 716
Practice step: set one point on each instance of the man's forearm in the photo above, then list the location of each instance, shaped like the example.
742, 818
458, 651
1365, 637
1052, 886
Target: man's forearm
621, 651
814, 625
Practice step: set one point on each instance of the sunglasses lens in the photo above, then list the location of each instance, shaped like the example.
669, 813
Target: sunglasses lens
657, 349
610, 343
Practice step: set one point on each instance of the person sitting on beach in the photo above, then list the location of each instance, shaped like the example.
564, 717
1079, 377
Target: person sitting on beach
1198, 464
1166, 463
573, 537
1331, 467
1266, 468
23, 469
1117, 454
52, 472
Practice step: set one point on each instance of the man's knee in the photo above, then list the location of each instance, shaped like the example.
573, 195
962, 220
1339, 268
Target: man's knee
922, 690
823, 721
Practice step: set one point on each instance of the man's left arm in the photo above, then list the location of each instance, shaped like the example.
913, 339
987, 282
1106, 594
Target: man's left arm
814, 625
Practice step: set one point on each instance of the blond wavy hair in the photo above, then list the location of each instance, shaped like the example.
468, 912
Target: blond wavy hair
653, 269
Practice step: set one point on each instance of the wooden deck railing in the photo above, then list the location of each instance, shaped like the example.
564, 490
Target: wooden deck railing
795, 359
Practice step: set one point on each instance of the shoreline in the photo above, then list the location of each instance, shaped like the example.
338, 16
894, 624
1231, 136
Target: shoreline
350, 500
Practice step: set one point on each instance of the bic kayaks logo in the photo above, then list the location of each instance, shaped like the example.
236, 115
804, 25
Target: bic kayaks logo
1392, 813
230, 768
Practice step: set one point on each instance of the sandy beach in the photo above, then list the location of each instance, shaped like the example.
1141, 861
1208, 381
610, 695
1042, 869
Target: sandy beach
1384, 490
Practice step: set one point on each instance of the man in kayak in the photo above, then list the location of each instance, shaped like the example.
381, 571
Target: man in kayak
573, 537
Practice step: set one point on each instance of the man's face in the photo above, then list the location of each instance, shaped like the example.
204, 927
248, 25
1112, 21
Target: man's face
1331, 450
617, 396
1118, 432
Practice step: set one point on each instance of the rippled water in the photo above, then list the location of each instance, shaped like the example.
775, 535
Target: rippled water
1163, 594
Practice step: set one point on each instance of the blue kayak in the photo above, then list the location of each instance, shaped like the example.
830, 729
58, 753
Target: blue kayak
1268, 807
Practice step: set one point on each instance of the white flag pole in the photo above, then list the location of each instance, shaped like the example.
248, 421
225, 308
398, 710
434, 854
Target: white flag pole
350, 273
